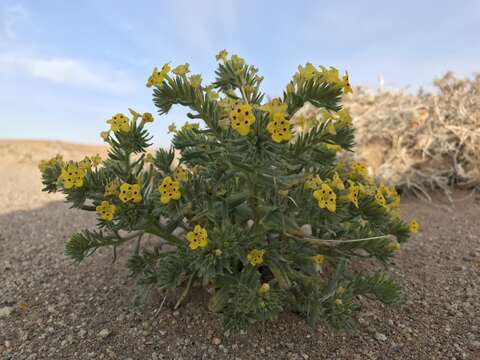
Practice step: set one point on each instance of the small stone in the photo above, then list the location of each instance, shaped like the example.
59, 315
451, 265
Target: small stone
176, 313
82, 333
104, 333
216, 341
380, 337
6, 311
162, 332
475, 345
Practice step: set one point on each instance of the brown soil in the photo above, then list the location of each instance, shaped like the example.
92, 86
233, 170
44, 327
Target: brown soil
51, 308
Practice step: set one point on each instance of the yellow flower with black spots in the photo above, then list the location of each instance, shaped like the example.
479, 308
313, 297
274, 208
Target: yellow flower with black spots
119, 122
347, 88
72, 176
181, 174
255, 257
279, 128
241, 118
157, 76
106, 210
353, 192
198, 238
130, 193
313, 182
146, 118
414, 226
111, 189
326, 197
380, 199
169, 190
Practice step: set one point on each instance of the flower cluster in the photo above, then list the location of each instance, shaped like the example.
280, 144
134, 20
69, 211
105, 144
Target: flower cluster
119, 122
72, 176
326, 198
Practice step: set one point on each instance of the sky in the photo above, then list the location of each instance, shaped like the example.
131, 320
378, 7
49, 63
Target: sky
68, 66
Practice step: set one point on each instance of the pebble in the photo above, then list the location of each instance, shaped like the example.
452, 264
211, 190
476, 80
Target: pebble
475, 345
104, 333
6, 311
216, 341
380, 336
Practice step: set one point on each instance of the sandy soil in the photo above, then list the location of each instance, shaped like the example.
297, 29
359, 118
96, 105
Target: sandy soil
51, 308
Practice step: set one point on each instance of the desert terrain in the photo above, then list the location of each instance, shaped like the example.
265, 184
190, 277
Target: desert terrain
52, 308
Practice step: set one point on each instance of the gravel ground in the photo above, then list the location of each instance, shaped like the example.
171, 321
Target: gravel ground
51, 308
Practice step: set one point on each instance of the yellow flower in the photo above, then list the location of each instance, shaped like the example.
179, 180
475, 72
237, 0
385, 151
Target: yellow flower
72, 176
198, 238
130, 193
237, 60
218, 252
85, 164
338, 302
380, 199
274, 106
181, 70
222, 55
326, 198
334, 147
331, 75
188, 126
181, 174
340, 290
169, 190
347, 89
196, 80
135, 115
172, 128
255, 257
106, 210
353, 191
414, 226
105, 135
264, 288
318, 259
308, 72
211, 93
119, 122
146, 118
96, 160
279, 128
393, 246
157, 77
149, 159
313, 182
241, 118
258, 79
337, 182
343, 119
111, 189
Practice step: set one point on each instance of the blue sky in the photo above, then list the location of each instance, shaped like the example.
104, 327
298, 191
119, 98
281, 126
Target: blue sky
67, 66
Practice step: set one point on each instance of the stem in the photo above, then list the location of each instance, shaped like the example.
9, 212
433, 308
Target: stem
185, 291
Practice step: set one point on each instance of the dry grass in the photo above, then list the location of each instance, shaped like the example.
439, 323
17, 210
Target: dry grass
422, 141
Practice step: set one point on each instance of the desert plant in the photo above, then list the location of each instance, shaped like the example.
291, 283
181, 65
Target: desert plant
261, 214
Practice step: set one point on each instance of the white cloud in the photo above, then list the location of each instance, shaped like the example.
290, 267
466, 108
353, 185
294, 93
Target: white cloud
10, 17
66, 71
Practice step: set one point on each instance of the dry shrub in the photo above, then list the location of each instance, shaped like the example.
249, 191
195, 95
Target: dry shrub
422, 141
